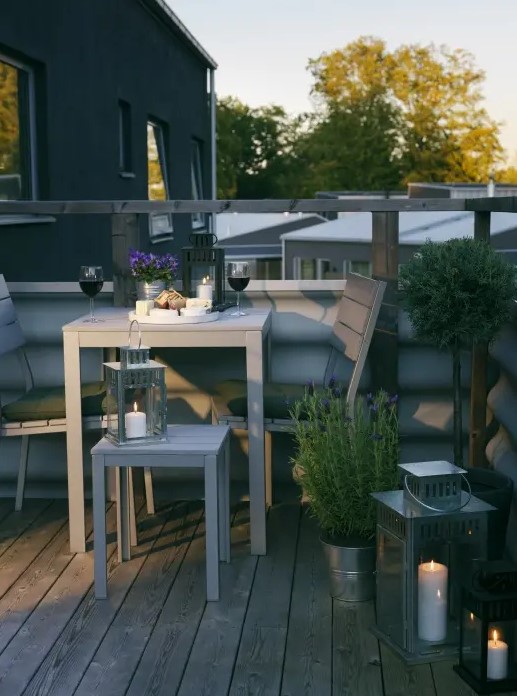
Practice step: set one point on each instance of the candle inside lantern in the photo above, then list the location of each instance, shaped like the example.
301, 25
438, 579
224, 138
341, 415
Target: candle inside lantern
136, 424
205, 290
432, 601
497, 658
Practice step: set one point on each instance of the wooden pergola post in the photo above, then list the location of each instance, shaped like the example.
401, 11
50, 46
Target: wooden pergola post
478, 379
385, 265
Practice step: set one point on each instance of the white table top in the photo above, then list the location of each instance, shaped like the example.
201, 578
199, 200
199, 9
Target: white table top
181, 439
117, 319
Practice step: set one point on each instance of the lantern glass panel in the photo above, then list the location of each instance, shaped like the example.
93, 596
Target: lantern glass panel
140, 395
472, 630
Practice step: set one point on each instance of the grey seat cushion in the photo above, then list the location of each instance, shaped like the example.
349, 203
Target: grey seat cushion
232, 398
46, 403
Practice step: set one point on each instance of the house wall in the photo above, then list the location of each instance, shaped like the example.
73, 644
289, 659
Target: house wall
303, 314
87, 56
502, 401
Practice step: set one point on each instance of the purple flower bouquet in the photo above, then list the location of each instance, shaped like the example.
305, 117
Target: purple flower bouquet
152, 267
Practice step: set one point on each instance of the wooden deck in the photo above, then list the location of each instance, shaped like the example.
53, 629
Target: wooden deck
274, 631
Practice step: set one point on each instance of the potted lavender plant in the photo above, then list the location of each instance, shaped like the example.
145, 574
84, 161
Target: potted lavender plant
341, 458
153, 273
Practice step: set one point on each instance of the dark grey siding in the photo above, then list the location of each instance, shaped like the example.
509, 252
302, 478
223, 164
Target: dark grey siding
87, 55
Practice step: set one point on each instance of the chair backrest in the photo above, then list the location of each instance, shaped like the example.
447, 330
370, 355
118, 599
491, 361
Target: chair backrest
354, 326
11, 335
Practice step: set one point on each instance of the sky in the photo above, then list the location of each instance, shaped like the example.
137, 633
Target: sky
262, 47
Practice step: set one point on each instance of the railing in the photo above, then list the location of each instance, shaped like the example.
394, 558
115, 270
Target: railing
385, 242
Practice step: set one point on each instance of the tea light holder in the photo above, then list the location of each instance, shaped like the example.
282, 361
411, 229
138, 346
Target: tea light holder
136, 396
488, 636
203, 265
426, 533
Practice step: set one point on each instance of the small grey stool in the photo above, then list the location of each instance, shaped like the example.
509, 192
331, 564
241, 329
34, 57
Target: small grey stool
187, 446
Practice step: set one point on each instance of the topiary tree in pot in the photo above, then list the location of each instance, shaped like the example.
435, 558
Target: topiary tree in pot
457, 293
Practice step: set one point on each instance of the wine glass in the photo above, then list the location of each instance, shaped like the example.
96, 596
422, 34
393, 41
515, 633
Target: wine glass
238, 279
91, 280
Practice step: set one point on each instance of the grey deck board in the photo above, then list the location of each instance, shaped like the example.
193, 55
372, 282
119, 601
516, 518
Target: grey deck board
24, 596
27, 650
14, 525
210, 665
272, 632
258, 669
164, 659
400, 680
308, 658
16, 559
121, 649
67, 661
356, 659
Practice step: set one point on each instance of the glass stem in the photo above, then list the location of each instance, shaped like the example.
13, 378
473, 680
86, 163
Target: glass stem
92, 318
238, 301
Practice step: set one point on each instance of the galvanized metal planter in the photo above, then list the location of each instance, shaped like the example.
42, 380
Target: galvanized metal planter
351, 568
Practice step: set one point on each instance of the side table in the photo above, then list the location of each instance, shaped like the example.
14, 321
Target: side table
187, 446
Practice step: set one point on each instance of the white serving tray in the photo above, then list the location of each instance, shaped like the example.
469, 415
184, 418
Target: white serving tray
170, 317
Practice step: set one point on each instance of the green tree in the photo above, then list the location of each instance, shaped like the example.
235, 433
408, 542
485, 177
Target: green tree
444, 131
9, 123
253, 150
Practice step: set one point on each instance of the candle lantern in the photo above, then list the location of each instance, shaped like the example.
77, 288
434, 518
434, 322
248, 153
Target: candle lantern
136, 396
203, 268
488, 639
426, 534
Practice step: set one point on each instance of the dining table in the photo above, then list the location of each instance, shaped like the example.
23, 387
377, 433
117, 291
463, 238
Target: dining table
250, 332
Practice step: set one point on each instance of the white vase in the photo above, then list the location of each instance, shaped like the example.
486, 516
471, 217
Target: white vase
148, 291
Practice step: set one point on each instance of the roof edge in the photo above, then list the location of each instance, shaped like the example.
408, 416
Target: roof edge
164, 12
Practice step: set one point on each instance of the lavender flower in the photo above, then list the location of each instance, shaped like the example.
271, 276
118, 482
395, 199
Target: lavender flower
149, 267
337, 392
332, 382
325, 405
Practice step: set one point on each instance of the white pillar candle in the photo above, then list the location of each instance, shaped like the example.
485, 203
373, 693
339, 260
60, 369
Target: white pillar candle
143, 307
205, 290
432, 601
136, 424
497, 658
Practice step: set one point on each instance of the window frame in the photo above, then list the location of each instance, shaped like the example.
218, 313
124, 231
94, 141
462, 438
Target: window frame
30, 158
161, 228
196, 174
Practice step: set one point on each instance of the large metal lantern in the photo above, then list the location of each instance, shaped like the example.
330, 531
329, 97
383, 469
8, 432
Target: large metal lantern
203, 264
427, 534
488, 640
136, 397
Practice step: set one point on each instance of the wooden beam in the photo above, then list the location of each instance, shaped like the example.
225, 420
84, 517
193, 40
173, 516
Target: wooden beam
124, 236
385, 262
478, 379
312, 205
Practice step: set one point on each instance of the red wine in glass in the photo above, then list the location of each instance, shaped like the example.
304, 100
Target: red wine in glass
238, 276
91, 280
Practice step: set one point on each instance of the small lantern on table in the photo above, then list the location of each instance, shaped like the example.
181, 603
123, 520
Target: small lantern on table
426, 534
203, 268
488, 640
136, 397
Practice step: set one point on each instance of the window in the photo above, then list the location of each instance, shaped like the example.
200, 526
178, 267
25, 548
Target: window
198, 219
314, 269
125, 140
160, 224
17, 149
363, 268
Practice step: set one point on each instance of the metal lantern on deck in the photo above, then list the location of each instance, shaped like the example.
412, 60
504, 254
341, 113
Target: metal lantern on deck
426, 534
203, 263
488, 638
136, 396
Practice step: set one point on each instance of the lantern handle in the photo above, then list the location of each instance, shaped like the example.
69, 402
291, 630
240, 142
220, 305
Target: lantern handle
134, 321
437, 509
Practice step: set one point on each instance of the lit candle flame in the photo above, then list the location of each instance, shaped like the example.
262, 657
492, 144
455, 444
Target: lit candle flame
438, 594
495, 636
204, 281
432, 566
135, 408
471, 616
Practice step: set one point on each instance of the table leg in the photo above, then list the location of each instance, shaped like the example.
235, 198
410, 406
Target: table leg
74, 442
132, 513
123, 515
99, 527
223, 480
109, 355
211, 529
255, 378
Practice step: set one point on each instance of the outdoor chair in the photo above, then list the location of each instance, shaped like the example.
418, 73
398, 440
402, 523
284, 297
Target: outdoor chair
41, 410
351, 335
